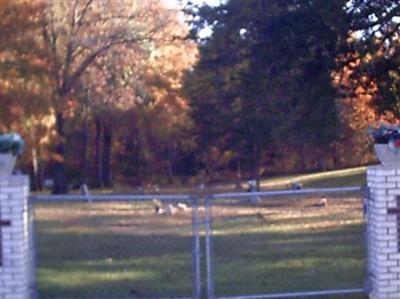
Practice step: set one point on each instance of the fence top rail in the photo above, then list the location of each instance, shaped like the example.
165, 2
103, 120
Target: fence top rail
111, 197
180, 197
299, 294
288, 192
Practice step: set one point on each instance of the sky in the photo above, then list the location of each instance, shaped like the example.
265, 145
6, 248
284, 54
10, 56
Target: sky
206, 32
173, 3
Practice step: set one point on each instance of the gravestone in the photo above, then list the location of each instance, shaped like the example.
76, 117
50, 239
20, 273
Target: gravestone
384, 231
16, 276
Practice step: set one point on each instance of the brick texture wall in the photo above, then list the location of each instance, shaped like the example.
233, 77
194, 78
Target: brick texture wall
383, 231
15, 269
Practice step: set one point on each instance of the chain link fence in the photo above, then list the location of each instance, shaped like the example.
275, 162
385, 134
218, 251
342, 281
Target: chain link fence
239, 245
304, 244
115, 248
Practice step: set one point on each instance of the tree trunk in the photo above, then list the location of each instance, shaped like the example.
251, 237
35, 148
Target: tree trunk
85, 156
255, 166
321, 154
60, 185
106, 155
99, 154
302, 158
170, 172
41, 168
209, 167
35, 170
238, 174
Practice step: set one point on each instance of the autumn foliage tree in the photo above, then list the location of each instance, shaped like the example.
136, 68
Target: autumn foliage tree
368, 79
24, 80
109, 91
79, 66
80, 32
378, 48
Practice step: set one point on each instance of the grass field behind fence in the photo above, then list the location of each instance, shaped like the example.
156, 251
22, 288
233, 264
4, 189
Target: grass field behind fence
289, 245
111, 250
121, 250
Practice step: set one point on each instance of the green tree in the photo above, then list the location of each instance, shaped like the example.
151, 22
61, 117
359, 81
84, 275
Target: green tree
263, 82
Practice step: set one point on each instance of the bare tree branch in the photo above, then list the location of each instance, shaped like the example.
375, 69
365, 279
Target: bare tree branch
82, 16
51, 38
70, 81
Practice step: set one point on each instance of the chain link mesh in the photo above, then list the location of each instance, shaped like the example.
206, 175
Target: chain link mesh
267, 245
118, 249
152, 249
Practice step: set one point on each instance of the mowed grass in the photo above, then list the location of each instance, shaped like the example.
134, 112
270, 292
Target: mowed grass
104, 250
328, 179
289, 245
125, 250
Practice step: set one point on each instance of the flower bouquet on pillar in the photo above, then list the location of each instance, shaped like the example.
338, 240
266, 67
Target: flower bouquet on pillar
11, 146
387, 144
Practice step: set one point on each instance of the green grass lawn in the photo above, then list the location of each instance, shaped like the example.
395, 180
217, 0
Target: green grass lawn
288, 244
112, 250
125, 250
336, 178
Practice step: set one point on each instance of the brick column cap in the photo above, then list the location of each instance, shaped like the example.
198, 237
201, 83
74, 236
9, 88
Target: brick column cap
15, 180
384, 166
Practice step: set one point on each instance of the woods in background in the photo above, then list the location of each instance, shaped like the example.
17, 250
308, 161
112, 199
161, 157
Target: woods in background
117, 92
295, 83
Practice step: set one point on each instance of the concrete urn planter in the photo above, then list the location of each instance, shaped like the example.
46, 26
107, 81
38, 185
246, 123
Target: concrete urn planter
7, 163
386, 155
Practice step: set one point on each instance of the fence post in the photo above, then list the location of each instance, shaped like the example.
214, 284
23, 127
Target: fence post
196, 248
209, 248
16, 279
32, 249
384, 231
367, 231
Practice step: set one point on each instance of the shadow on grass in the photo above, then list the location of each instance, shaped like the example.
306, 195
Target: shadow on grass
128, 265
126, 251
113, 264
278, 262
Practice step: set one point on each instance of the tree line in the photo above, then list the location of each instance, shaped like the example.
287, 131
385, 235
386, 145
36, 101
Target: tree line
131, 92
292, 85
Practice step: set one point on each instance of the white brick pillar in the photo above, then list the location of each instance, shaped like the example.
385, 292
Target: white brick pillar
384, 231
15, 258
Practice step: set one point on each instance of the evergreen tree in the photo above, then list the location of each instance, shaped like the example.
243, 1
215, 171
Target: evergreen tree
263, 82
